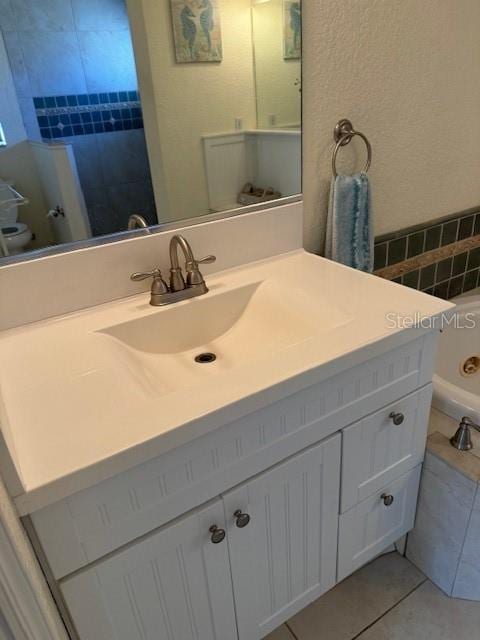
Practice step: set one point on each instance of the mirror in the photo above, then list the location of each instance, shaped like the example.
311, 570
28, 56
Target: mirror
116, 114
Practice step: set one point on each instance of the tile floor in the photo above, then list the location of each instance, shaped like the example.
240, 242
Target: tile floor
389, 599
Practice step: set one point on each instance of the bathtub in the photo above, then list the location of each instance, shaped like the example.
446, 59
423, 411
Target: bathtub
457, 381
445, 541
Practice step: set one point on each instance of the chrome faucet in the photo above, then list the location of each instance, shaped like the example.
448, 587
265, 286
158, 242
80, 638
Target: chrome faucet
462, 440
135, 221
180, 288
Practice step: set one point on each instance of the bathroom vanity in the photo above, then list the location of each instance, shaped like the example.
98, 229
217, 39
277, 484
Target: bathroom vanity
170, 498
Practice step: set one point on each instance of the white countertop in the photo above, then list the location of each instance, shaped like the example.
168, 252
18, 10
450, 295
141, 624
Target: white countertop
78, 406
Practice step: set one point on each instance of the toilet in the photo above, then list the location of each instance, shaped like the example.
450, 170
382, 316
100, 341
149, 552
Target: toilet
16, 235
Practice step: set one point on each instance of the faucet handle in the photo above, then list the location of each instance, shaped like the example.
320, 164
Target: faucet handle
159, 285
138, 277
206, 260
194, 277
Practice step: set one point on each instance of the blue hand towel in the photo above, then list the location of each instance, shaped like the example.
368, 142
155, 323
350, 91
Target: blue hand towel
349, 225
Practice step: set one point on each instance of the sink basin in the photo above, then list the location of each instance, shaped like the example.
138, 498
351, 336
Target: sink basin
239, 326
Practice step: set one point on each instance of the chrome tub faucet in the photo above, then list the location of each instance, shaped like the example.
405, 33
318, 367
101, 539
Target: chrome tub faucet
462, 440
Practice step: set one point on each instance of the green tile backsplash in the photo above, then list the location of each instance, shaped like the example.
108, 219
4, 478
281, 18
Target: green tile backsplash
447, 277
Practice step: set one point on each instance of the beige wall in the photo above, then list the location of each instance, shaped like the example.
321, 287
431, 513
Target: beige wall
190, 100
407, 72
276, 90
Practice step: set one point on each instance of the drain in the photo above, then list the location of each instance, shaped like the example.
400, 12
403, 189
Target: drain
471, 366
205, 358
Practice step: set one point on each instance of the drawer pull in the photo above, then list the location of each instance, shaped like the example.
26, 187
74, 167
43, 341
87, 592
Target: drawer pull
242, 519
397, 418
387, 499
218, 535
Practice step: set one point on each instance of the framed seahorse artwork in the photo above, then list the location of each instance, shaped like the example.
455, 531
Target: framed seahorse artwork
196, 30
292, 29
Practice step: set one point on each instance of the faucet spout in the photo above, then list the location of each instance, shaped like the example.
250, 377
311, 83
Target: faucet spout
177, 281
135, 221
180, 241
194, 277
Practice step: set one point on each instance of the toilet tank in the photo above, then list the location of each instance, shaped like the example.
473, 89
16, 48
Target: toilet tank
8, 204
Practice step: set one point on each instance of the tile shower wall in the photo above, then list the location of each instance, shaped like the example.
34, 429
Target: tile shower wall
74, 72
441, 258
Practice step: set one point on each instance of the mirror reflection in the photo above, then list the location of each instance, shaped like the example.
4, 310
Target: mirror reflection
121, 114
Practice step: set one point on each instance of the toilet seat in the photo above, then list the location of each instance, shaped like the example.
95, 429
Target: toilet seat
16, 237
13, 230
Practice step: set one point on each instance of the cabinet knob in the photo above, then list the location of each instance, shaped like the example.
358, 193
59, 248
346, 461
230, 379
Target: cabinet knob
218, 535
242, 519
397, 418
387, 499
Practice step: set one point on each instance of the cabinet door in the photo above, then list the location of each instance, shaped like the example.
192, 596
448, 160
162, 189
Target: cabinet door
285, 557
173, 585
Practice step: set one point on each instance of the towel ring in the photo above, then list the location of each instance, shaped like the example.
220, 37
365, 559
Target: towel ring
343, 134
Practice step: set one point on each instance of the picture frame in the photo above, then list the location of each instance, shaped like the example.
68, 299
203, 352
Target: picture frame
292, 29
197, 31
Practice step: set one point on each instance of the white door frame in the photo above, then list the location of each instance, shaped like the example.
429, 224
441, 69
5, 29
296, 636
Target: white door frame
25, 600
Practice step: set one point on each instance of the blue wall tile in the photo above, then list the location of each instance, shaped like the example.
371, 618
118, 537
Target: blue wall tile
100, 14
87, 110
53, 62
54, 15
108, 60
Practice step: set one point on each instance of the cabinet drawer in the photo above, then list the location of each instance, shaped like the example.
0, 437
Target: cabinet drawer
376, 450
369, 527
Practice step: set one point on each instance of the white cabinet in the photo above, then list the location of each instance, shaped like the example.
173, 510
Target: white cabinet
371, 526
86, 526
173, 585
286, 556
133, 555
177, 585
